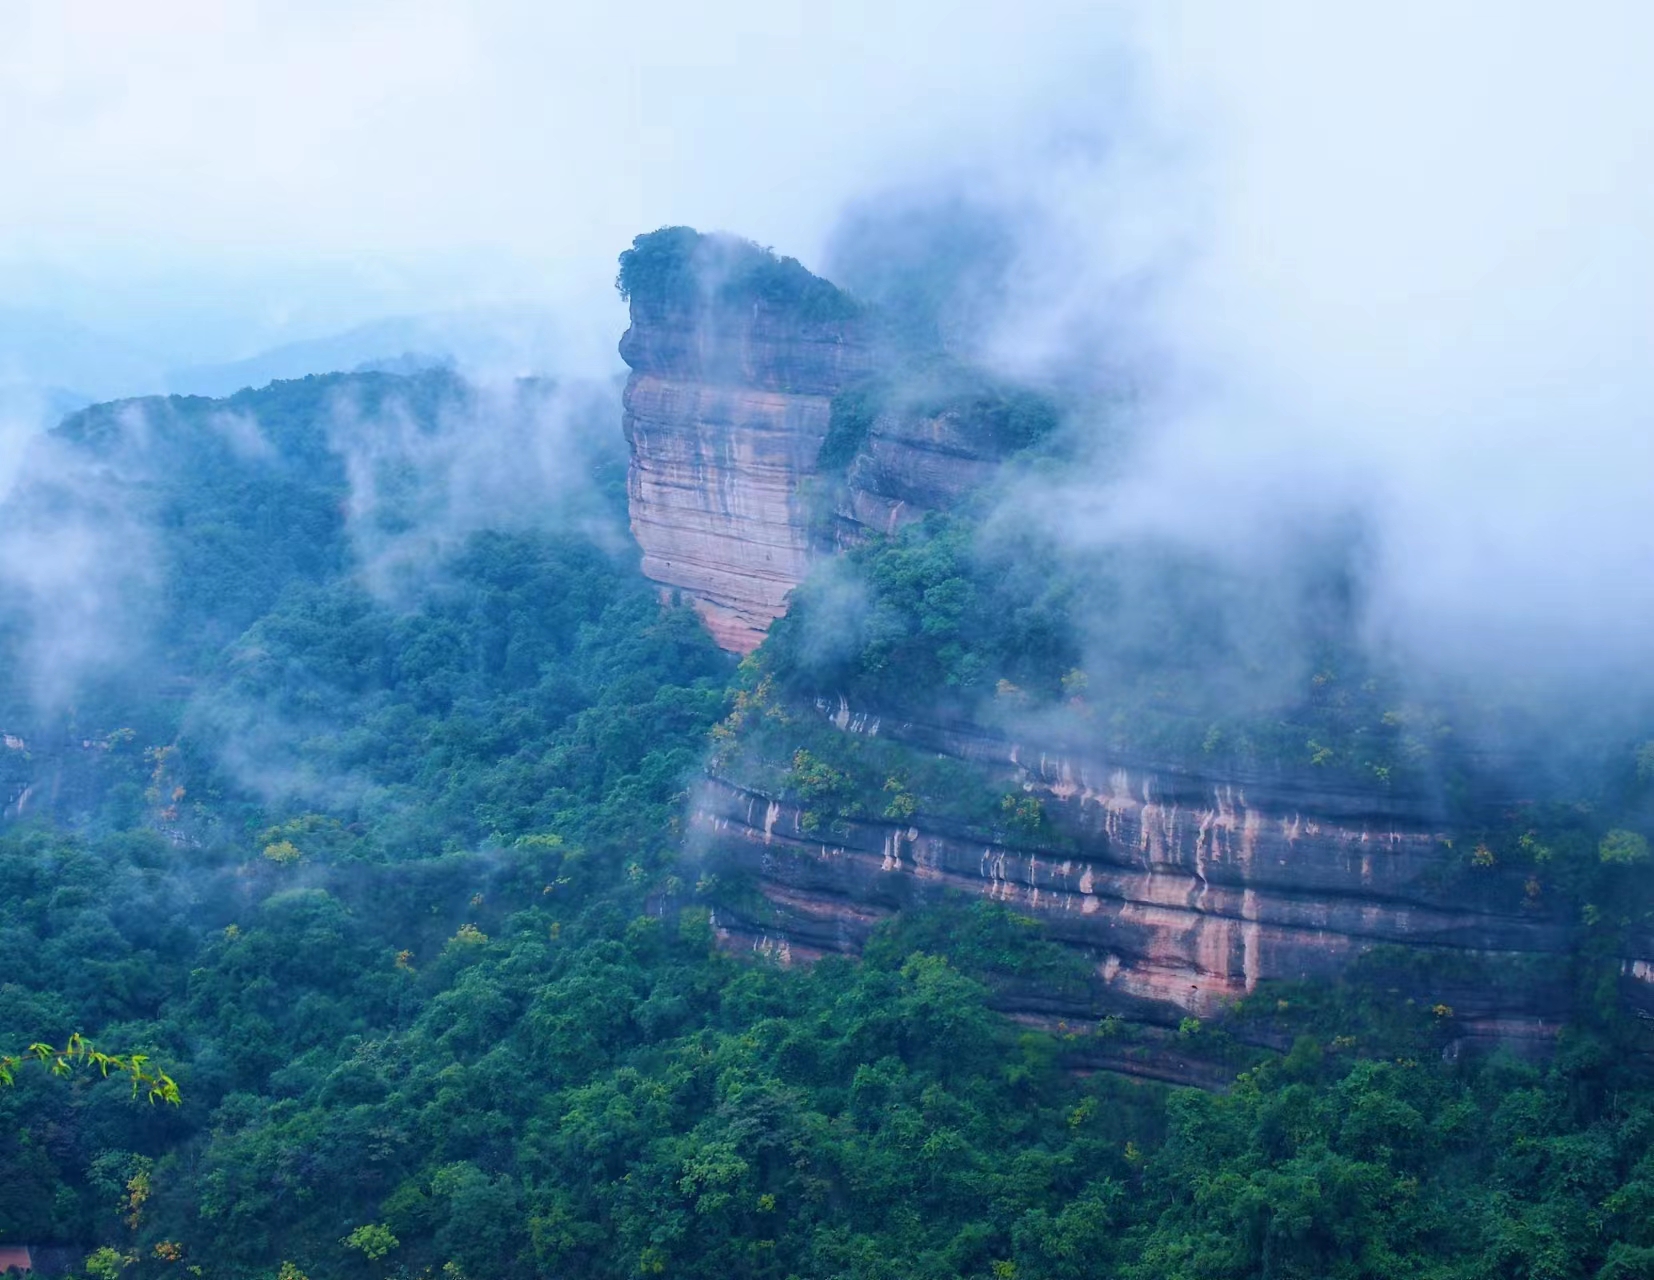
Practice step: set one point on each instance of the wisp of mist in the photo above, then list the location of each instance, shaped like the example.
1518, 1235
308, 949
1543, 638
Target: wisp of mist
1386, 270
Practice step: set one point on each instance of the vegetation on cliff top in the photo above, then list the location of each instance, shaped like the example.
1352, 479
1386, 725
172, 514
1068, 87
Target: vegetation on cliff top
679, 267
952, 620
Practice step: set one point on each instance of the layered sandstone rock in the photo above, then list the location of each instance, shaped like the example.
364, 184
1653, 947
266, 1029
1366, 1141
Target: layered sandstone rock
911, 463
1182, 892
736, 357
725, 411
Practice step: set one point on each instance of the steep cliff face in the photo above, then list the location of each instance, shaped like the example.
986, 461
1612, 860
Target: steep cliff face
725, 411
769, 425
922, 437
911, 462
736, 358
1182, 892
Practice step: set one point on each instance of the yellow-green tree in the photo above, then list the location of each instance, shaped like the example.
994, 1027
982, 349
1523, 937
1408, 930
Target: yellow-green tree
79, 1054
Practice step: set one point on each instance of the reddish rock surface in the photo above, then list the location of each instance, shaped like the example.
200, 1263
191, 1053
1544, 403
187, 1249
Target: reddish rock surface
911, 463
725, 412
1181, 892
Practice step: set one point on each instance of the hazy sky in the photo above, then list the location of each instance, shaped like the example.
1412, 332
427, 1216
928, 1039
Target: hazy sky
396, 155
1407, 268
1396, 250
305, 165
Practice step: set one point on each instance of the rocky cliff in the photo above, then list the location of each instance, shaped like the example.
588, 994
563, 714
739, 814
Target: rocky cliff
736, 360
769, 425
912, 461
1180, 892
726, 409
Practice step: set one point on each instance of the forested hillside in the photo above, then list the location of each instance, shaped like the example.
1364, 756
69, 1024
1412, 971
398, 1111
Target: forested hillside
364, 815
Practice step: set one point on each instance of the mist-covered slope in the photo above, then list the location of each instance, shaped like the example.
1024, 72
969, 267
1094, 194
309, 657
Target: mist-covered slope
1200, 776
357, 772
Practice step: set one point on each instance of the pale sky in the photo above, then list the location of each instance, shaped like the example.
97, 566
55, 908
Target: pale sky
1400, 250
408, 153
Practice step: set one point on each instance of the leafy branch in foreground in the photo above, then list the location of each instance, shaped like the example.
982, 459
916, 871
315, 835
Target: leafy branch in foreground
78, 1052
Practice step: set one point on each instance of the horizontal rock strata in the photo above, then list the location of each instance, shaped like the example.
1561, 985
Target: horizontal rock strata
910, 464
1182, 893
725, 412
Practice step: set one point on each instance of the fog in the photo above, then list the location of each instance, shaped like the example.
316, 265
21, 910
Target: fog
510, 456
1422, 284
77, 567
94, 568
1389, 270
213, 178
1388, 267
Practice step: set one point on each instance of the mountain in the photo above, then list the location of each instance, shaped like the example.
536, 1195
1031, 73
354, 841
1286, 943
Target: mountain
58, 357
508, 341
743, 397
726, 409
788, 453
494, 920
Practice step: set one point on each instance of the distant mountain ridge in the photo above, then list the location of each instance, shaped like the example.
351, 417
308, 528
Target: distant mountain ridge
51, 365
52, 354
513, 341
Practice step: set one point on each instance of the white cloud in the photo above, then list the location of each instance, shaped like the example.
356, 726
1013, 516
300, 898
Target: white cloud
527, 142
1398, 252
1404, 266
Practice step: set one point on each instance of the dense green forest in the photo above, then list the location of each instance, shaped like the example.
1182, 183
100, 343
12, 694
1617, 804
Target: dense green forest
388, 874
679, 267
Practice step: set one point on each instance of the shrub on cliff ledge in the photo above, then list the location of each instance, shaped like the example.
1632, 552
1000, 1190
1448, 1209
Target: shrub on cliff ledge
679, 266
999, 417
1623, 848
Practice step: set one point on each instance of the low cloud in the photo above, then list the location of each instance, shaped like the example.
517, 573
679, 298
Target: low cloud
1376, 283
77, 564
502, 455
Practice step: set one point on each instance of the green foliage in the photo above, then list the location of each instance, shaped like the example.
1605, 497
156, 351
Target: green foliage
985, 940
283, 853
871, 777
1363, 1168
660, 267
78, 1053
850, 419
461, 1024
934, 621
1148, 650
1024, 814
996, 417
104, 1263
819, 789
903, 805
680, 267
373, 1240
257, 482
1623, 848
589, 1088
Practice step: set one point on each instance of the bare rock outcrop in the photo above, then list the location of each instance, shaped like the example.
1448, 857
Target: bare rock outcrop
1181, 892
735, 358
911, 463
768, 424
